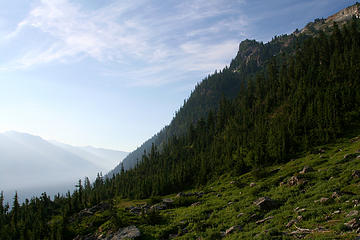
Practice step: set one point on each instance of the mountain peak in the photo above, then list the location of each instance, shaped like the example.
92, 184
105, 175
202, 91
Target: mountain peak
340, 18
345, 14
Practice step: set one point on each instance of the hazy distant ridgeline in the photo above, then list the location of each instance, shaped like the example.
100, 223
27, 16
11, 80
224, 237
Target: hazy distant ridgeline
30, 162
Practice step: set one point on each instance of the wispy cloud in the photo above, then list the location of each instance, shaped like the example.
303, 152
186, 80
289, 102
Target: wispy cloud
187, 36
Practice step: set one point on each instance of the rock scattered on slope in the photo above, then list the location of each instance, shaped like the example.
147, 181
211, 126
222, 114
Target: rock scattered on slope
353, 224
266, 203
355, 174
232, 230
353, 213
130, 232
306, 169
264, 220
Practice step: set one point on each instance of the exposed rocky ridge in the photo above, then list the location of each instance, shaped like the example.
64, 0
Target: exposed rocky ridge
340, 18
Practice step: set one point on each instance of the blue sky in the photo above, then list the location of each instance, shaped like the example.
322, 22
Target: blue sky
111, 73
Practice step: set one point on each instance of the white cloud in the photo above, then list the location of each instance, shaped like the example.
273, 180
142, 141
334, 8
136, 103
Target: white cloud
190, 36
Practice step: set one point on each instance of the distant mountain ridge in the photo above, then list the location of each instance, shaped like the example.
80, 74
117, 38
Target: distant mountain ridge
30, 161
105, 158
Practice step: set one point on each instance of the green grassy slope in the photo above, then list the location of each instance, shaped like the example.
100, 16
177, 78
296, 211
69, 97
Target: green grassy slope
319, 204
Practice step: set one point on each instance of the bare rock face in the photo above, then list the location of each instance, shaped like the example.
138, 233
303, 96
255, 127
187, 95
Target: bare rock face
345, 14
340, 18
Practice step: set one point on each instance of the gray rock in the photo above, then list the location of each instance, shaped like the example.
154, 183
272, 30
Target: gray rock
265, 203
352, 213
293, 181
356, 174
352, 224
322, 200
232, 230
292, 222
159, 206
335, 195
195, 204
264, 220
167, 200
130, 232
306, 169
240, 214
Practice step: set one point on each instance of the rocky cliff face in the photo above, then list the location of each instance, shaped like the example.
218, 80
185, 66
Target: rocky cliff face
345, 14
340, 18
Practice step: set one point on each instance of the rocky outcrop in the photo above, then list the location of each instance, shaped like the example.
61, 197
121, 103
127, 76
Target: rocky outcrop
340, 18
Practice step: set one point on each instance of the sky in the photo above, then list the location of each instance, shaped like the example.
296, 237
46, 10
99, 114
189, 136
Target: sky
112, 73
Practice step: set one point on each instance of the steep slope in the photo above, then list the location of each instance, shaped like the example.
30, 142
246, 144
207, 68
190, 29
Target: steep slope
340, 18
314, 196
251, 58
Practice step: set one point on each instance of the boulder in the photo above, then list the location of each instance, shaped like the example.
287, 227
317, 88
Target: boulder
180, 194
167, 200
159, 206
240, 214
335, 195
195, 204
130, 232
322, 200
353, 224
292, 222
299, 210
232, 230
293, 181
265, 203
306, 169
352, 213
264, 220
355, 174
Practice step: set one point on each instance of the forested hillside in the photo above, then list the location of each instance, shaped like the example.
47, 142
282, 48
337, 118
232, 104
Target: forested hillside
276, 107
251, 58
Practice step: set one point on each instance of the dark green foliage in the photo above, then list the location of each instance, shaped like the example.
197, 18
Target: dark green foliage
153, 217
184, 201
